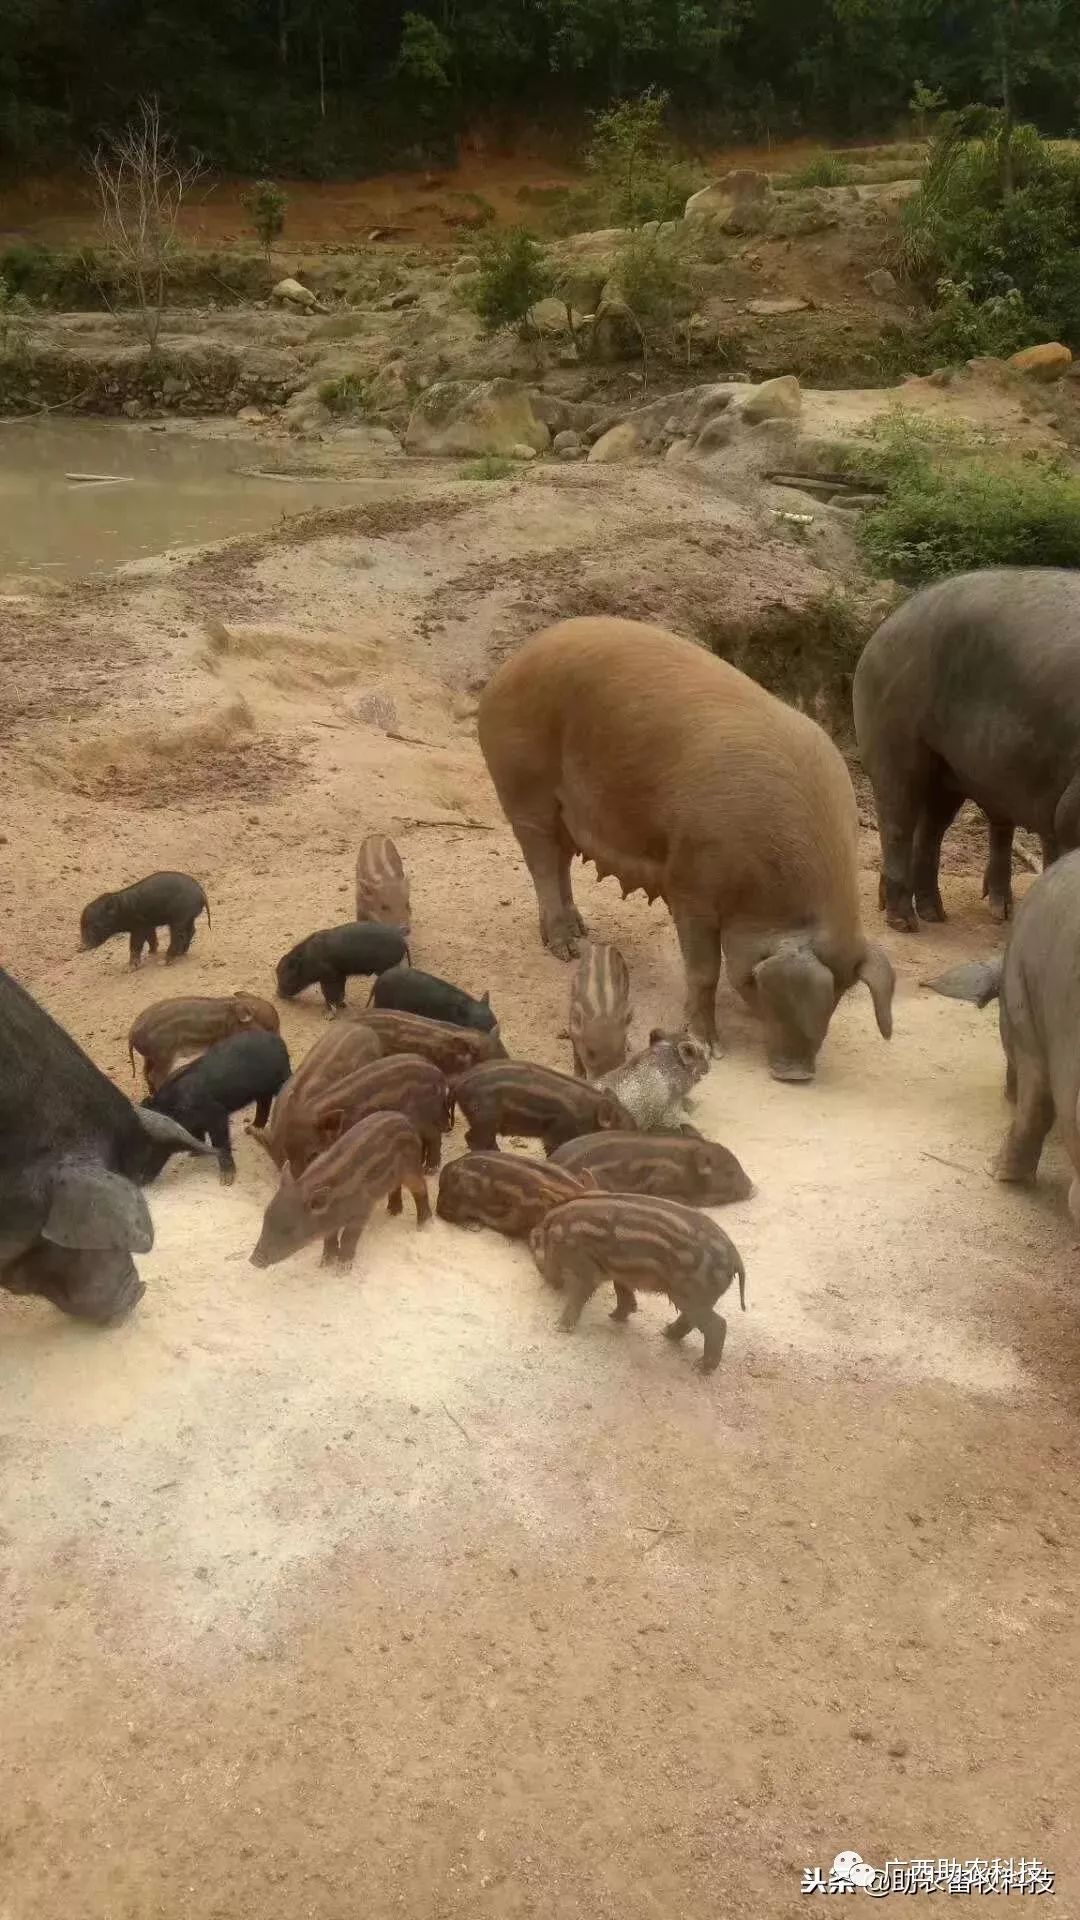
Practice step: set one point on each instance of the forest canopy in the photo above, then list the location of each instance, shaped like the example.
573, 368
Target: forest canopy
323, 86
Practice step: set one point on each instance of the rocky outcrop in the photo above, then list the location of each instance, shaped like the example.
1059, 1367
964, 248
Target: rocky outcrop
475, 417
779, 399
618, 443
739, 202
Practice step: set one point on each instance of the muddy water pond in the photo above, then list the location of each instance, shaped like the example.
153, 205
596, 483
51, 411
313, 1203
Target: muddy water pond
82, 497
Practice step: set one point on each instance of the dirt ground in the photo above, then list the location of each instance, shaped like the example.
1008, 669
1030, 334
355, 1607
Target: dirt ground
428, 205
335, 1594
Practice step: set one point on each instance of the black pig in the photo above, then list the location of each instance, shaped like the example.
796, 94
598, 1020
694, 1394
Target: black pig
412, 991
328, 958
245, 1068
73, 1154
172, 900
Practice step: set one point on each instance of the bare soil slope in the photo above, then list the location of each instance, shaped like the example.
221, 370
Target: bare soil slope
332, 1594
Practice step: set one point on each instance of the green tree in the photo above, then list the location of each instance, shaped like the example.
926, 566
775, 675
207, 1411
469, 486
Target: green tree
266, 204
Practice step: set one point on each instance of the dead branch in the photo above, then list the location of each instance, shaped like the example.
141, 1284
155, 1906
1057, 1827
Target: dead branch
141, 184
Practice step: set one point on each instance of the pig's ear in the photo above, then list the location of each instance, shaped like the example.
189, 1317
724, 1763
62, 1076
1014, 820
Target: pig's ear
485, 998
98, 1210
245, 1016
319, 1201
332, 1124
588, 1181
287, 1174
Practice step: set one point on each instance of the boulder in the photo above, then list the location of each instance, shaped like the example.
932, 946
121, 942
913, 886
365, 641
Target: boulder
577, 452
718, 433
883, 284
618, 443
565, 441
601, 240
615, 334
767, 309
251, 416
739, 202
779, 399
291, 293
1046, 362
550, 318
475, 417
522, 452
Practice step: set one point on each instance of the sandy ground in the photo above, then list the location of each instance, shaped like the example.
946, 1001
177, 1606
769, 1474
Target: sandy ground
330, 1595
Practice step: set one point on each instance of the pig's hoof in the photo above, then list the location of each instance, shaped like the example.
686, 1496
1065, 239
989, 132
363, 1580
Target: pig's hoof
227, 1176
792, 1072
1000, 909
903, 919
1007, 1172
930, 909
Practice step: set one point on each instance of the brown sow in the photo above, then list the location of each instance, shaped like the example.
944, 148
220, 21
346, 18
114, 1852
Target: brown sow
333, 1198
642, 1245
599, 1011
505, 1191
670, 1166
403, 1083
336, 1054
382, 889
517, 1097
452, 1049
189, 1024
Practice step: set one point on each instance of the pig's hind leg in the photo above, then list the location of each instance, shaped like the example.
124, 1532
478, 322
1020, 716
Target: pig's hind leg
332, 987
548, 853
181, 935
625, 1302
1023, 1144
217, 1126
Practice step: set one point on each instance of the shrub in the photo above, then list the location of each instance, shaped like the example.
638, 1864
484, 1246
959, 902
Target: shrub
266, 205
659, 281
490, 466
961, 326
635, 169
948, 507
964, 226
822, 170
513, 275
14, 320
345, 394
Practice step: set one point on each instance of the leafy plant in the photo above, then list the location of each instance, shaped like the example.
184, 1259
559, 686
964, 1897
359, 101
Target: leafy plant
347, 393
636, 171
15, 314
822, 170
948, 505
512, 276
963, 226
266, 204
962, 327
658, 279
924, 102
490, 466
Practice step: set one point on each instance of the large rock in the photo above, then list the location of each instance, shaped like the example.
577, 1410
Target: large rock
779, 399
883, 284
600, 240
467, 417
739, 202
615, 334
1046, 362
550, 318
618, 443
